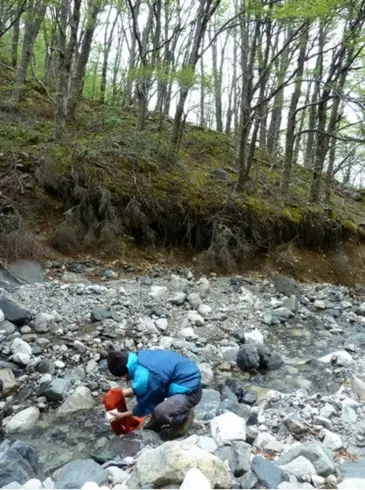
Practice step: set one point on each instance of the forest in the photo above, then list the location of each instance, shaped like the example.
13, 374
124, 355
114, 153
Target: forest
265, 87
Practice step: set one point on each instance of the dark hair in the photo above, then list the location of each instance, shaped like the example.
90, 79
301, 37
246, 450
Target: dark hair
117, 362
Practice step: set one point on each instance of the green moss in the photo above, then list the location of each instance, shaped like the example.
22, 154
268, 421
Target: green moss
293, 215
349, 226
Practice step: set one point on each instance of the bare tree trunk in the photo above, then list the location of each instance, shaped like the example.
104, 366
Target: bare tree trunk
309, 152
15, 39
78, 78
132, 57
273, 137
106, 53
32, 25
65, 53
205, 12
202, 94
290, 131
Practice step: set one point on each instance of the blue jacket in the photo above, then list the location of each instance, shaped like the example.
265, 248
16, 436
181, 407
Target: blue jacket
158, 374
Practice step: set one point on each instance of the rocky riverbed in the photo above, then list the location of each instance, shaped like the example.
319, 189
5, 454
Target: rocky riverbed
277, 358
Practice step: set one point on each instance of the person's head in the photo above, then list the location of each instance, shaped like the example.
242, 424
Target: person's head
117, 363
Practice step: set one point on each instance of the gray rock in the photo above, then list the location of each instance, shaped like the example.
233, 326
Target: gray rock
207, 374
283, 313
10, 384
23, 421
249, 480
132, 443
7, 327
254, 356
207, 408
178, 299
268, 473
238, 456
21, 350
101, 313
248, 357
296, 425
43, 322
316, 453
300, 467
287, 286
56, 390
230, 353
291, 304
18, 462
168, 464
249, 397
45, 366
76, 473
14, 313
80, 401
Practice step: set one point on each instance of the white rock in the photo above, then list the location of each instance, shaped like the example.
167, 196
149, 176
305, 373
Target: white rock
331, 440
327, 411
23, 421
33, 484
204, 310
116, 475
158, 291
14, 485
2, 316
187, 333
49, 484
195, 318
81, 400
171, 461
300, 467
91, 366
228, 427
162, 324
207, 374
319, 304
90, 485
254, 337
265, 439
19, 346
194, 479
43, 322
207, 444
166, 342
59, 364
318, 481
341, 358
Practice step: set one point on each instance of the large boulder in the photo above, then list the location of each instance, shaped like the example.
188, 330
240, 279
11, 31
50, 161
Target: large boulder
76, 473
254, 356
23, 421
170, 463
18, 462
315, 452
80, 401
14, 313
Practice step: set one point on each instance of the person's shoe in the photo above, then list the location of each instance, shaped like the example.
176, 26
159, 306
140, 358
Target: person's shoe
179, 430
152, 424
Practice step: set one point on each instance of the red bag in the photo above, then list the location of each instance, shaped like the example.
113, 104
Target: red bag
114, 399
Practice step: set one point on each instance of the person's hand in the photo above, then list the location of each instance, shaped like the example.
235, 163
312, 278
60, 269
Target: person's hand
120, 415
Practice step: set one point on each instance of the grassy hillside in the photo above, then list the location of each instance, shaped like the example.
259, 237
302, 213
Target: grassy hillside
107, 187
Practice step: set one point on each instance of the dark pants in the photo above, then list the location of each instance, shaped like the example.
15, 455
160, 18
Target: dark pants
174, 410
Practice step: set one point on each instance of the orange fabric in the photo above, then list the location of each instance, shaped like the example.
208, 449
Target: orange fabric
114, 399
